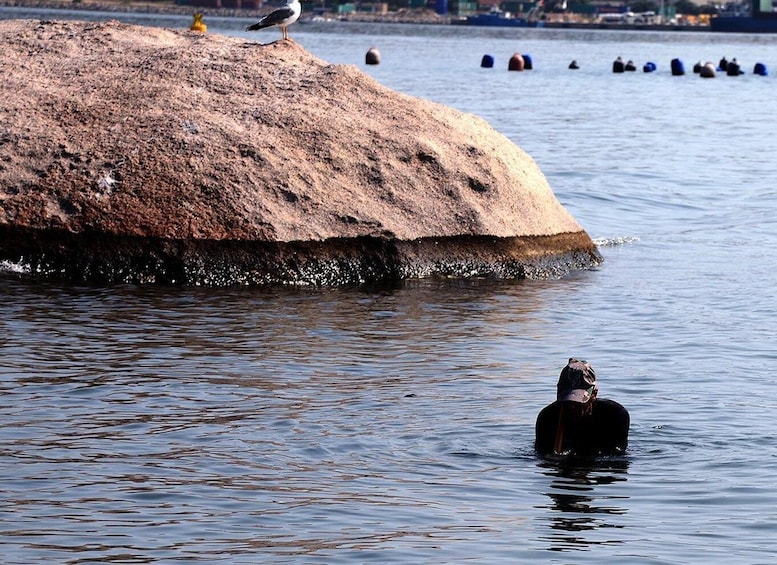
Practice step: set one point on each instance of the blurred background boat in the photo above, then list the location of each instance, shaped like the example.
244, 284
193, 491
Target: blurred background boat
754, 16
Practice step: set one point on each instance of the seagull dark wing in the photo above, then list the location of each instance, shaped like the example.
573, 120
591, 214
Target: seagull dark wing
272, 19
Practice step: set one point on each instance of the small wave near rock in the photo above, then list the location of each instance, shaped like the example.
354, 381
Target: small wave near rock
615, 241
9, 267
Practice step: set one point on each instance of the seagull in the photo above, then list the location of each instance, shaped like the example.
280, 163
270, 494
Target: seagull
282, 17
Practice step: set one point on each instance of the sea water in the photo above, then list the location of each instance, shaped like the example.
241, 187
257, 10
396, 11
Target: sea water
333, 425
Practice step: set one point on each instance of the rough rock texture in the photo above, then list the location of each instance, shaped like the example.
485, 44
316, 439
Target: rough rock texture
143, 154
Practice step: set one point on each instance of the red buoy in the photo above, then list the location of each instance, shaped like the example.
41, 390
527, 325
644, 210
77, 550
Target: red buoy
516, 63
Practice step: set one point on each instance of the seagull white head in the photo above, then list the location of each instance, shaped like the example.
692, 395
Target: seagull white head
282, 17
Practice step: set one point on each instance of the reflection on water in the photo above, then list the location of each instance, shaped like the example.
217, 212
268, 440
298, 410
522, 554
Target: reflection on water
142, 421
581, 501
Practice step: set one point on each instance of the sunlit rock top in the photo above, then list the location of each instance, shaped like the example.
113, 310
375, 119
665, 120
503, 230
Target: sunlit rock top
179, 140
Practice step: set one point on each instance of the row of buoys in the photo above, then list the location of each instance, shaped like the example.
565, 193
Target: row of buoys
618, 66
731, 68
523, 62
518, 62
706, 70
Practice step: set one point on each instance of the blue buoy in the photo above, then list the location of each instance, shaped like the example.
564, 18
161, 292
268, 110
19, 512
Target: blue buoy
649, 67
678, 69
487, 62
617, 65
527, 64
760, 70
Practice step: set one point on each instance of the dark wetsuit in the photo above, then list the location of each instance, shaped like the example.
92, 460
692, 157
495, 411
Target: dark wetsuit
604, 431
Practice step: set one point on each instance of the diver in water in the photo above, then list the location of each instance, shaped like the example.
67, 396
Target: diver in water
579, 423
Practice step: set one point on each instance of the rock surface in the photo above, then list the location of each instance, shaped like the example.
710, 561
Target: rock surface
144, 154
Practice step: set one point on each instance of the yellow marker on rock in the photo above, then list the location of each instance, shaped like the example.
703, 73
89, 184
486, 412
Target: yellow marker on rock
198, 24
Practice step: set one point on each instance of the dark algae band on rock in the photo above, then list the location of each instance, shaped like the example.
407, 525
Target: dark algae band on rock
110, 259
138, 154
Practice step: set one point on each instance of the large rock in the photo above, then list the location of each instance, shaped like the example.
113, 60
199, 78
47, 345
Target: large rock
143, 154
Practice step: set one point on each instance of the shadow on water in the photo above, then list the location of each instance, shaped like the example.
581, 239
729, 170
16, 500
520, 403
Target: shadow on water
583, 505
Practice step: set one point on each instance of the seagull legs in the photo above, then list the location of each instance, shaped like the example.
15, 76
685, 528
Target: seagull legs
285, 31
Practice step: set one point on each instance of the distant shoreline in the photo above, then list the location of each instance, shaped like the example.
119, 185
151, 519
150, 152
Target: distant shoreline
403, 16
126, 7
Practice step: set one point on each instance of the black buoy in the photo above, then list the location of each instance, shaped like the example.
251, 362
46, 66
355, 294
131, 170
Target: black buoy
678, 69
732, 69
697, 67
723, 65
573, 65
617, 65
527, 62
760, 70
487, 62
372, 57
630, 66
517, 63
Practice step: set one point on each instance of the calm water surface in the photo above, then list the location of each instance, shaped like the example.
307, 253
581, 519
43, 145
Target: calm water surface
162, 425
